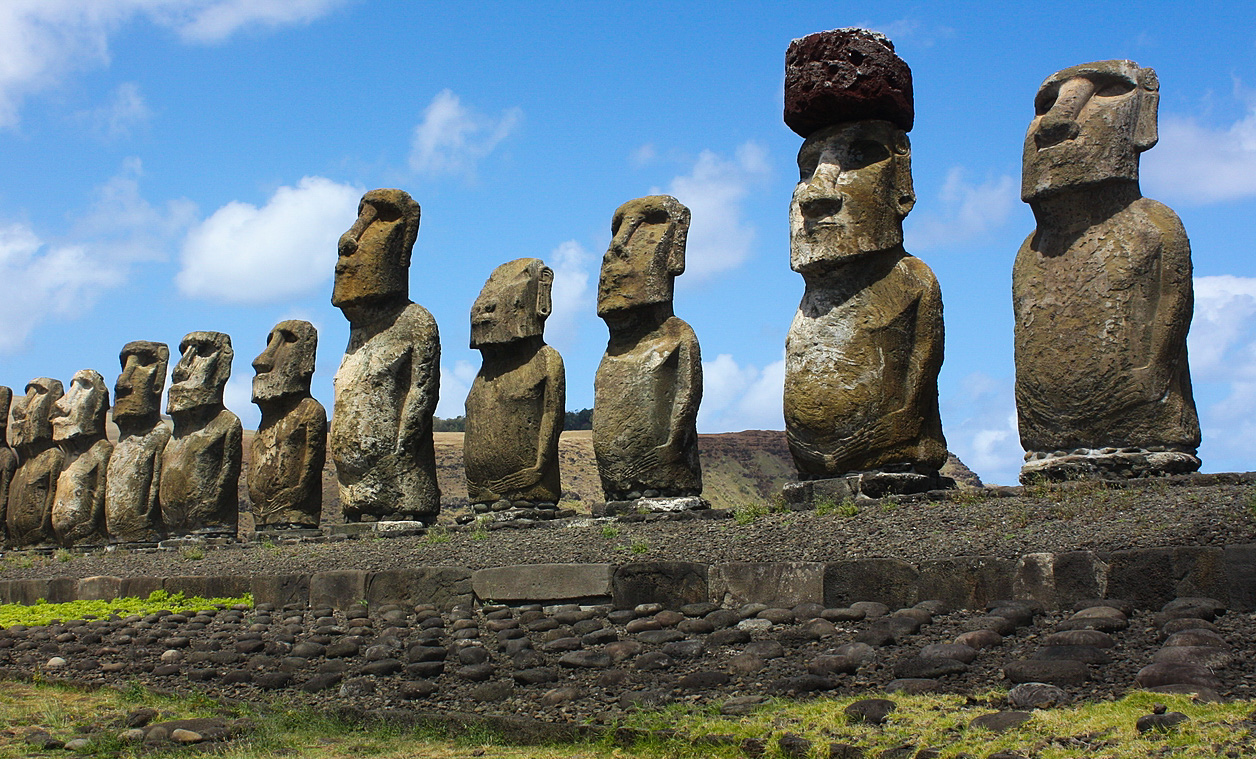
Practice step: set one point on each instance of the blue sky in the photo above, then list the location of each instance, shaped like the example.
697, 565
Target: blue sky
180, 165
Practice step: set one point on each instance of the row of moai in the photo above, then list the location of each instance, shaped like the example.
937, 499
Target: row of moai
1101, 293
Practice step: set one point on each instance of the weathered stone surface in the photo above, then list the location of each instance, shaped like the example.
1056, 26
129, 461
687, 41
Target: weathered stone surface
543, 582
338, 589
442, 587
280, 590
1102, 290
1240, 574
133, 481
888, 581
98, 588
1058, 580
671, 583
208, 586
779, 582
845, 75
516, 406
966, 582
290, 445
8, 458
649, 384
388, 382
34, 484
200, 466
1151, 577
78, 427
863, 353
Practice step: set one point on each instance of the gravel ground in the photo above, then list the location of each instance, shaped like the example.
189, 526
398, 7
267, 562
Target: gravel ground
1197, 510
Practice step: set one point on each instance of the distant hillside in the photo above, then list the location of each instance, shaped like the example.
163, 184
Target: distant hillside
737, 468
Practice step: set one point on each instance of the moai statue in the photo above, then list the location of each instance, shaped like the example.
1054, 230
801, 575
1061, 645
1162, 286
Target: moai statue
34, 484
200, 466
132, 513
864, 350
517, 404
387, 384
78, 427
1102, 288
290, 447
8, 458
649, 384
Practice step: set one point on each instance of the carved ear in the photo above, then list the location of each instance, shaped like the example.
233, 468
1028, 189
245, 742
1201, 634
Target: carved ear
1146, 131
905, 194
544, 290
680, 238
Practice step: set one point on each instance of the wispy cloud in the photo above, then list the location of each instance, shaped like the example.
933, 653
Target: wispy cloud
43, 41
1197, 164
125, 113
964, 212
980, 427
455, 383
572, 296
246, 254
42, 280
452, 139
1222, 347
715, 190
738, 397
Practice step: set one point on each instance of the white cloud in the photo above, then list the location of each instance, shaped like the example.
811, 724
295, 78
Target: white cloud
38, 281
965, 212
1222, 348
1196, 164
643, 156
572, 296
452, 139
43, 41
246, 254
719, 238
216, 20
736, 398
124, 114
980, 426
455, 383
237, 396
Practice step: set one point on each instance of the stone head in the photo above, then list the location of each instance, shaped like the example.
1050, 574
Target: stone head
1090, 124
287, 364
202, 372
80, 413
6, 400
137, 393
32, 414
854, 190
646, 253
513, 304
373, 266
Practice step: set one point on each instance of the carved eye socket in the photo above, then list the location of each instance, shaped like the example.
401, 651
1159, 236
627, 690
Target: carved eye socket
655, 216
864, 153
1113, 88
387, 212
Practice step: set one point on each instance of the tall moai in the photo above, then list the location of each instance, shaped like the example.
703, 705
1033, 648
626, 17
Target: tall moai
863, 353
78, 427
34, 484
1101, 289
8, 457
649, 384
517, 403
200, 466
132, 509
290, 446
388, 381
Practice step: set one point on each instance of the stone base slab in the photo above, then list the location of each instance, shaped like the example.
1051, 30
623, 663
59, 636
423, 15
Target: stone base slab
859, 485
382, 528
660, 505
1105, 464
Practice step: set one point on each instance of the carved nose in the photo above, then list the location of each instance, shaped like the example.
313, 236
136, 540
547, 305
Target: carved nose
1054, 130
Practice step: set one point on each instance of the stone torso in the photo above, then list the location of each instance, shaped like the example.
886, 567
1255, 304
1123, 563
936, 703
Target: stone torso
861, 364
200, 476
1101, 335
636, 391
8, 466
132, 485
31, 494
78, 509
385, 459
505, 416
285, 475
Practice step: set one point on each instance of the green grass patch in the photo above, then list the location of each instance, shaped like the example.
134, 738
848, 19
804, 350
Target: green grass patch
42, 612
